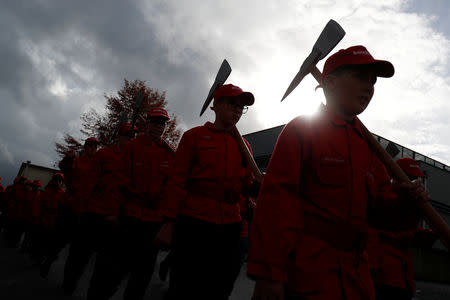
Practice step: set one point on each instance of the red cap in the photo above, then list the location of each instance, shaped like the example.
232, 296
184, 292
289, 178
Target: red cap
58, 174
357, 55
92, 140
410, 166
158, 112
229, 90
124, 128
37, 182
20, 179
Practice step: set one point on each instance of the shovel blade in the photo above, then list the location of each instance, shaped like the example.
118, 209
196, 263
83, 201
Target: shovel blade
328, 39
221, 77
123, 117
330, 36
223, 73
304, 70
138, 101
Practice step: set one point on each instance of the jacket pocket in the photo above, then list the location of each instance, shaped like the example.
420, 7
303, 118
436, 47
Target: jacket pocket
207, 153
333, 171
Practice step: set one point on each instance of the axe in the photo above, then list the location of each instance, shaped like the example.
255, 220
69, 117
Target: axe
137, 106
123, 119
331, 35
221, 77
437, 224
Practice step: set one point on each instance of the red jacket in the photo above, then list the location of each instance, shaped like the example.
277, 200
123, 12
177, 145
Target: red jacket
4, 200
78, 176
105, 197
208, 176
144, 165
310, 223
51, 197
391, 260
14, 200
31, 208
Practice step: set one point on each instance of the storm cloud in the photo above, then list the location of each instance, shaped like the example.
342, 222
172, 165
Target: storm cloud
59, 58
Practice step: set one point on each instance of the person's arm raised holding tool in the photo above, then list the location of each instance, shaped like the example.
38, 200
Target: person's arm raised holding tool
310, 225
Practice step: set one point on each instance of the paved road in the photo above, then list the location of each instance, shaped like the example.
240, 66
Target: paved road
20, 280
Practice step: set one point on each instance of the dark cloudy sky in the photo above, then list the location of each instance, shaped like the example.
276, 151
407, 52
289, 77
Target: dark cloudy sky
60, 57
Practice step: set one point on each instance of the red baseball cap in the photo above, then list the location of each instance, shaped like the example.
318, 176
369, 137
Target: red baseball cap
410, 166
158, 112
58, 174
92, 140
357, 55
229, 90
125, 128
20, 179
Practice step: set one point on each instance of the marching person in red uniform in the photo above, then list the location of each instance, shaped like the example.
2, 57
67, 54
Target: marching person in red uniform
50, 241
78, 175
30, 205
13, 204
76, 169
309, 231
102, 214
390, 259
204, 192
32, 210
27, 202
144, 164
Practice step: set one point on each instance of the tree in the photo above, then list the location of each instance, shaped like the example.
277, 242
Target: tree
70, 144
105, 126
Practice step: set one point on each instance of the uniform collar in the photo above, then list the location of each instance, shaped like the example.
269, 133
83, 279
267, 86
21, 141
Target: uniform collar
115, 148
337, 120
213, 127
146, 141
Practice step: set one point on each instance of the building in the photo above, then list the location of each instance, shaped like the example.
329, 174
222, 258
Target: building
430, 265
34, 172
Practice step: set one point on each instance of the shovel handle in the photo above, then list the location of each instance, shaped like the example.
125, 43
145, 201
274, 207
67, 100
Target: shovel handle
317, 74
431, 216
248, 156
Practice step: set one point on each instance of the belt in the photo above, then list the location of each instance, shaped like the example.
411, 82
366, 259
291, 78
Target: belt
214, 191
338, 235
396, 242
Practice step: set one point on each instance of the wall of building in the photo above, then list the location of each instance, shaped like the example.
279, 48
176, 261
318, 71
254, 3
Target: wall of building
34, 172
